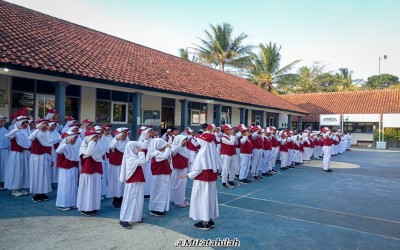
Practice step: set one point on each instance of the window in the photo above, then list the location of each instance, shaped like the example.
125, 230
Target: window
119, 112
20, 99
103, 111
195, 117
271, 121
197, 113
152, 117
44, 87
72, 107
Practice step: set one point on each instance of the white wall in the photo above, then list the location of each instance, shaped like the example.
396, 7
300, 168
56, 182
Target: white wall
4, 85
235, 119
177, 113
210, 113
88, 103
361, 137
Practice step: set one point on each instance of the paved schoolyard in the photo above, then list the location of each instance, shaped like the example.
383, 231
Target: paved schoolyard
302, 208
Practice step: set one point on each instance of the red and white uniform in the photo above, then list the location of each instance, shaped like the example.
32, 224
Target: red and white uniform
161, 171
89, 190
267, 147
193, 147
204, 199
180, 164
145, 144
246, 151
68, 165
327, 143
274, 152
258, 145
132, 175
228, 157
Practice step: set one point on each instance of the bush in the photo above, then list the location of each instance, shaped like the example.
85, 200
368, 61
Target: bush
391, 135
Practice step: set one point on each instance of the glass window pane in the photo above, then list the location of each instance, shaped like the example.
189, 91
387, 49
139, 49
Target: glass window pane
103, 109
43, 104
72, 107
195, 118
119, 112
20, 100
203, 117
130, 111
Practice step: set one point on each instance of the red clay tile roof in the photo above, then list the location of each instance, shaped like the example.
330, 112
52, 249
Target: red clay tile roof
358, 102
32, 40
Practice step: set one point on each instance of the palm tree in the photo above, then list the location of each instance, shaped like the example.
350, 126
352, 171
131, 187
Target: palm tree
184, 53
221, 49
344, 81
264, 67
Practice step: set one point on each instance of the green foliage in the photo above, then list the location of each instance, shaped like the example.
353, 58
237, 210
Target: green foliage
221, 49
391, 135
264, 66
381, 81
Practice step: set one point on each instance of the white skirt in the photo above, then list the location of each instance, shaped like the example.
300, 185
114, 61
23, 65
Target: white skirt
67, 187
147, 177
159, 193
17, 170
178, 186
204, 201
54, 169
132, 204
104, 185
89, 192
115, 187
4, 153
40, 174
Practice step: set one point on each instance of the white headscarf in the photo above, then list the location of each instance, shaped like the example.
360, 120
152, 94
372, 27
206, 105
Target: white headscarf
143, 134
66, 127
45, 138
83, 150
71, 151
131, 160
207, 157
154, 148
22, 136
177, 148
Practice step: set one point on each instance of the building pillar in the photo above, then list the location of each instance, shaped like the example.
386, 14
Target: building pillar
289, 122
184, 111
300, 123
262, 115
276, 119
242, 116
218, 110
136, 113
60, 98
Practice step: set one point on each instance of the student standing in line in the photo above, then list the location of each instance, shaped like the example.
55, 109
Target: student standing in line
4, 150
180, 163
132, 175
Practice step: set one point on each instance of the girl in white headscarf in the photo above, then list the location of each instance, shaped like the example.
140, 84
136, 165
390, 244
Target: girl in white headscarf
40, 162
89, 191
103, 145
180, 163
159, 154
116, 152
17, 168
68, 164
145, 140
204, 200
133, 176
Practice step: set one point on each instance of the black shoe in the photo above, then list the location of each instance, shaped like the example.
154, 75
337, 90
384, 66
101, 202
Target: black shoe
45, 197
36, 198
260, 178
226, 185
330, 170
267, 174
284, 168
274, 171
233, 184
249, 180
202, 226
87, 213
327, 171
291, 167
147, 196
157, 214
95, 212
140, 221
116, 203
125, 224
236, 176
244, 181
211, 223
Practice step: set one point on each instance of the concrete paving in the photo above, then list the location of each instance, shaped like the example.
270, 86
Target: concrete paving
301, 208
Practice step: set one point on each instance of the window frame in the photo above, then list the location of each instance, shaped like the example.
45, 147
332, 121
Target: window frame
126, 112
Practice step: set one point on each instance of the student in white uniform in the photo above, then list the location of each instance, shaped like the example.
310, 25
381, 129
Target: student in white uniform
40, 162
204, 199
89, 192
106, 139
133, 176
145, 140
159, 154
180, 163
68, 165
116, 153
56, 138
4, 150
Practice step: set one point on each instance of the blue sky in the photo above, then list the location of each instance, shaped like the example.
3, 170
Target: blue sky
338, 33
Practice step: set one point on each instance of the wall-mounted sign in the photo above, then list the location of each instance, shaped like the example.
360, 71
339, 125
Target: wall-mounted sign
361, 118
329, 120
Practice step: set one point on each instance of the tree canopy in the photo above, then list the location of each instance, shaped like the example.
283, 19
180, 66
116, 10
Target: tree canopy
381, 81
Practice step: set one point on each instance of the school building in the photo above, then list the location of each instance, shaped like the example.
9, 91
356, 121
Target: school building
46, 62
360, 113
